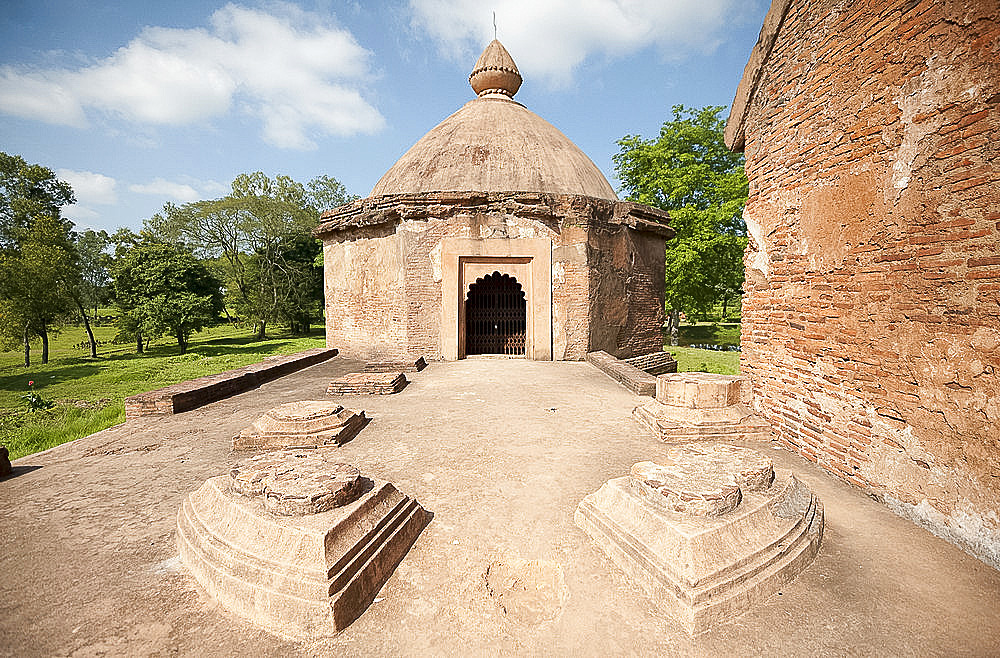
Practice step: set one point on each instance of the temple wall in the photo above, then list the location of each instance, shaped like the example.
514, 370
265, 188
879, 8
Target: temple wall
365, 294
626, 292
871, 320
601, 272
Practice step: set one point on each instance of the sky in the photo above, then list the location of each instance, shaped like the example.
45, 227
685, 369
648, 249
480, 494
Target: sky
137, 104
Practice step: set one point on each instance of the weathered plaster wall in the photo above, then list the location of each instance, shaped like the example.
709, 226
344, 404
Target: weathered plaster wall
626, 292
604, 271
871, 327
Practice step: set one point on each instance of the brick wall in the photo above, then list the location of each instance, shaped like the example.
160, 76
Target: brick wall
871, 330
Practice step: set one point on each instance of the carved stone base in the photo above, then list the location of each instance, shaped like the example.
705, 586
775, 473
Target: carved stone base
305, 553
303, 424
710, 561
694, 406
397, 366
368, 383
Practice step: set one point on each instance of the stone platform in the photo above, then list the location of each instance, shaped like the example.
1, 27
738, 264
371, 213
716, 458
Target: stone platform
368, 383
301, 424
707, 531
700, 406
294, 542
396, 366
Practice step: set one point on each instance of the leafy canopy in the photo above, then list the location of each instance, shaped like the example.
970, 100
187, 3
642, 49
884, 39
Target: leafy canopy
260, 234
688, 171
162, 289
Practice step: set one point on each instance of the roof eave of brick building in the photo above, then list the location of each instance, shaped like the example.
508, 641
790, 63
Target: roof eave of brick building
752, 74
377, 210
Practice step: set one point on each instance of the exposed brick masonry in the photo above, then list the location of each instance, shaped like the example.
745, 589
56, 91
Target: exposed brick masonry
871, 327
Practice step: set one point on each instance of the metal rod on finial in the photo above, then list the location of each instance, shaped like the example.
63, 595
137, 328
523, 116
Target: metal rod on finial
494, 25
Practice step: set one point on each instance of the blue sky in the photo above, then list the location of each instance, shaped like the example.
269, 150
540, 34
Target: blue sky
137, 104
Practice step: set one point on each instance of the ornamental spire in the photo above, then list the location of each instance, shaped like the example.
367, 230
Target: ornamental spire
495, 73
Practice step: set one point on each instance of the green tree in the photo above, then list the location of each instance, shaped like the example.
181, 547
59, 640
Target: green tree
91, 286
688, 171
27, 192
35, 280
261, 234
162, 289
37, 260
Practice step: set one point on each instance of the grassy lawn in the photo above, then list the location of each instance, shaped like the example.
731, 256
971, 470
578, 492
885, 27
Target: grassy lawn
718, 333
89, 393
690, 359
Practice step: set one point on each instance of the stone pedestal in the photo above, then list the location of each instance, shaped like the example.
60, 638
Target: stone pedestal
295, 542
697, 406
303, 424
368, 383
707, 530
405, 365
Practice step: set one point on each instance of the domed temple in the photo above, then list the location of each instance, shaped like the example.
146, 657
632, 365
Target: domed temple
494, 234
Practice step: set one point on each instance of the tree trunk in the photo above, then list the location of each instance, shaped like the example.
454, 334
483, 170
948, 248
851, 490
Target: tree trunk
138, 342
181, 341
675, 322
262, 330
44, 333
27, 347
725, 305
90, 332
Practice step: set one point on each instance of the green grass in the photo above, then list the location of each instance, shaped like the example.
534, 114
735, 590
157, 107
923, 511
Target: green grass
89, 393
699, 333
690, 359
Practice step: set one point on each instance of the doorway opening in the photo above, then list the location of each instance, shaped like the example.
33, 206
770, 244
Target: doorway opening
495, 316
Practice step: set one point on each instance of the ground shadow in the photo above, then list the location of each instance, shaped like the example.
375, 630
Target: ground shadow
46, 377
18, 470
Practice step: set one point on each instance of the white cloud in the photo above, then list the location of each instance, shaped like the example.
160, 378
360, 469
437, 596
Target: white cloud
90, 187
171, 190
299, 74
549, 39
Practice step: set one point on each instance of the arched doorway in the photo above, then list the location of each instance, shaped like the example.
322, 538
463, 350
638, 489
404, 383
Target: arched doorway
495, 316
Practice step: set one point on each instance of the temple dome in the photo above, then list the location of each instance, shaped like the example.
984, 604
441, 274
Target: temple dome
495, 144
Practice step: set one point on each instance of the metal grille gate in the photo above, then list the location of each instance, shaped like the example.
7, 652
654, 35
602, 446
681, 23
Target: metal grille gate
495, 316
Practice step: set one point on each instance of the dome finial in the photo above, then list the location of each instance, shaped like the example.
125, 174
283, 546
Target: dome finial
495, 73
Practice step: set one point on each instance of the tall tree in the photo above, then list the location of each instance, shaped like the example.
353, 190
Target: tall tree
35, 279
162, 289
37, 261
688, 171
261, 232
91, 286
28, 191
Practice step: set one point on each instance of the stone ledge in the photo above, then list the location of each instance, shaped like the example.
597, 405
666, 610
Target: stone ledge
632, 378
654, 363
194, 393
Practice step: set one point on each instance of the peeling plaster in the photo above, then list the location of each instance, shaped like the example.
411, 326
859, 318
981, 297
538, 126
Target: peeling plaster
758, 259
976, 534
922, 94
435, 257
558, 272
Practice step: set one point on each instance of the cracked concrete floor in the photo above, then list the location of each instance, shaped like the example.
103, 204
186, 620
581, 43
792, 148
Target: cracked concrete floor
500, 451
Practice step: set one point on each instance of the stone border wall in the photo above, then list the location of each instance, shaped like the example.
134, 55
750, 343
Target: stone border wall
191, 394
626, 374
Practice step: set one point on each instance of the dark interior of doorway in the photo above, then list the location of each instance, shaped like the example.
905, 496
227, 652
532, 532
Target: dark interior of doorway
495, 316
